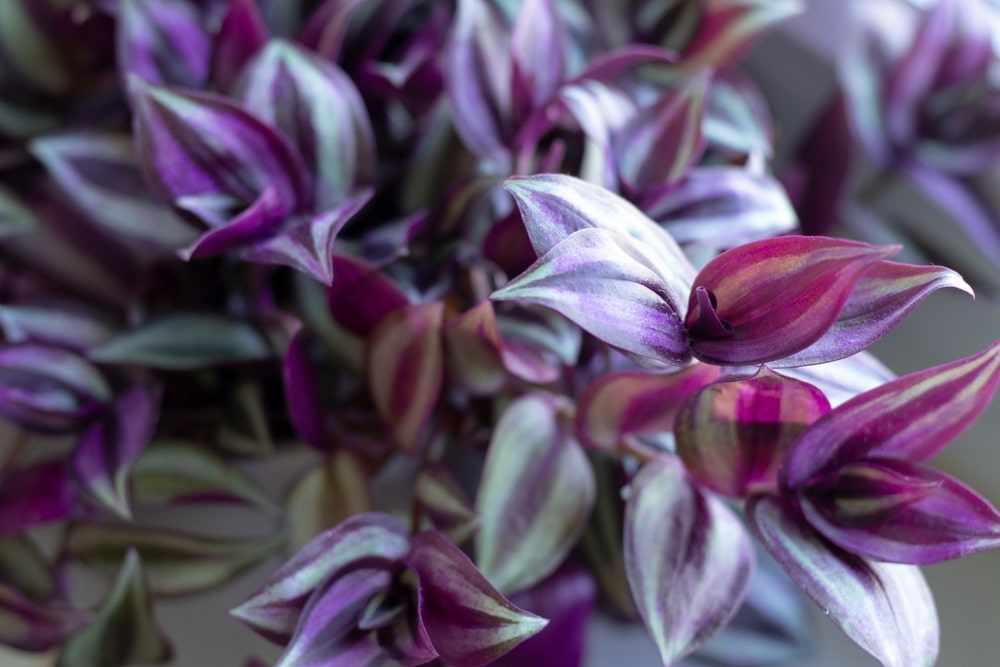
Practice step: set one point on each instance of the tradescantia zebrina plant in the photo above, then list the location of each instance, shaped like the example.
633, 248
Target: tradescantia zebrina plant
514, 289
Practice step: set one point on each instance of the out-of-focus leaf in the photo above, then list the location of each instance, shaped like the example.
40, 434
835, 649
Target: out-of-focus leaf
309, 245
15, 217
125, 630
27, 625
185, 341
317, 107
688, 558
537, 52
469, 622
35, 495
175, 472
274, 610
49, 389
601, 543
362, 295
444, 502
723, 207
523, 537
64, 324
103, 459
244, 429
242, 32
25, 567
663, 141
163, 42
537, 342
885, 608
727, 28
208, 155
634, 403
473, 347
405, 368
477, 75
100, 174
325, 496
176, 563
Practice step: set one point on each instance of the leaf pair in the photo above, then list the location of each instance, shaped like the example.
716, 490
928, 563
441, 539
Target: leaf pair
790, 300
366, 590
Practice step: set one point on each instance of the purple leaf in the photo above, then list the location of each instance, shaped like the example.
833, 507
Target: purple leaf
361, 295
325, 31
241, 34
733, 434
770, 299
901, 512
881, 299
327, 632
824, 160
524, 537
663, 141
567, 599
308, 245
911, 418
35, 495
633, 403
100, 175
601, 281
274, 610
727, 29
49, 389
737, 119
910, 81
688, 558
318, 109
722, 207
103, 459
27, 625
467, 620
302, 393
960, 205
163, 42
196, 145
885, 608
537, 47
477, 74
405, 369
553, 206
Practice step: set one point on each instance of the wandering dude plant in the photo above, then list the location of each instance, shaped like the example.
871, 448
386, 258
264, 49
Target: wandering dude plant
520, 292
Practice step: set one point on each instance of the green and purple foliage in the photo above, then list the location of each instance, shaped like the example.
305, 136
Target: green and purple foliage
527, 260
